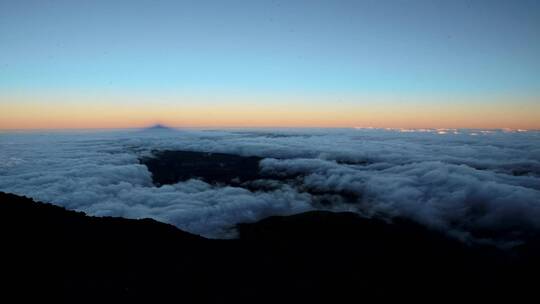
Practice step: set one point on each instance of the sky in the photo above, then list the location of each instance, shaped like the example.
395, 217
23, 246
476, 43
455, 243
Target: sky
408, 64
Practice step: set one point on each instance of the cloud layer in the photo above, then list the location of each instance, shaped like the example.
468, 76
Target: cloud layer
473, 184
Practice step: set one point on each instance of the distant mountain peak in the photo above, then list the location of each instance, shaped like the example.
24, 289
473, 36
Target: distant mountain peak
159, 127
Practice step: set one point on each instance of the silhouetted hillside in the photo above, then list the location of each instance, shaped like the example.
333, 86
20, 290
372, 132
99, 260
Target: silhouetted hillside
319, 257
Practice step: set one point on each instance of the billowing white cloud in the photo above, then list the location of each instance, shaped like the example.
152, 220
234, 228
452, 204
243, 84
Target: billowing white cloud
457, 182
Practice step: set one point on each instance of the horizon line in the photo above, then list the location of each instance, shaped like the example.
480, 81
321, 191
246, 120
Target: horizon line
412, 129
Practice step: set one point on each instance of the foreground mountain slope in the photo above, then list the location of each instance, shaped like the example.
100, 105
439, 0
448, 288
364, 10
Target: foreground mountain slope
312, 257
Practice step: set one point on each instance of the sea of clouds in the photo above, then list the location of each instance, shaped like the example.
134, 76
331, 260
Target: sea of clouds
472, 184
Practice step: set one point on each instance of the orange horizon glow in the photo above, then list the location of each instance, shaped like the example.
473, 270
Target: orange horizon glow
30, 114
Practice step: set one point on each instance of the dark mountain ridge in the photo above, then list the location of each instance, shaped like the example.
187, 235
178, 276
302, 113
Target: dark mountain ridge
318, 257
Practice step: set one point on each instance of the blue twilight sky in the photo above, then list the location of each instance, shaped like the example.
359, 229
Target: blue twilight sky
413, 48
